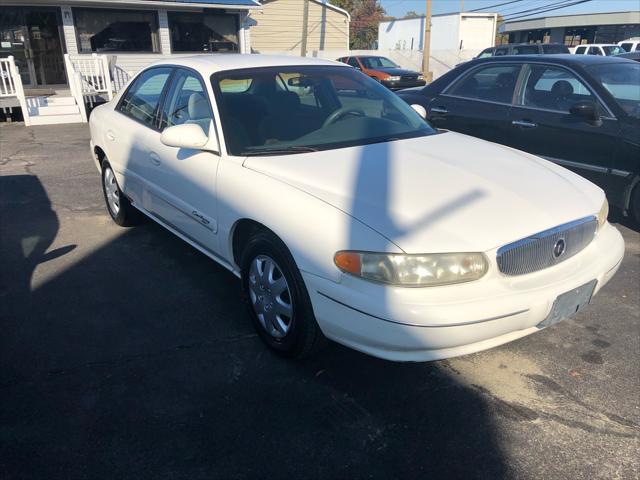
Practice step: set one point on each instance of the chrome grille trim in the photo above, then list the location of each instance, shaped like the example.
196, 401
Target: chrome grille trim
536, 252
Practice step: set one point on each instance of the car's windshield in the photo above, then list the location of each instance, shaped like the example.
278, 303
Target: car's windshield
612, 50
294, 109
622, 80
377, 62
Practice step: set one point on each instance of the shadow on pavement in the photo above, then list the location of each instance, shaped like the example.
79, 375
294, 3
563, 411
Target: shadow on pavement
139, 361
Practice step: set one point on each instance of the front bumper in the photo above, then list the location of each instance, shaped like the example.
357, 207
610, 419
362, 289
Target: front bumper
421, 324
400, 84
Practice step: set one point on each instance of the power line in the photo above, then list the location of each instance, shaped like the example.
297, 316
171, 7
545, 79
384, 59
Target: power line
543, 10
496, 5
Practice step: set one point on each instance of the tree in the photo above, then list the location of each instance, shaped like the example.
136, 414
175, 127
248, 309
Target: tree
412, 14
366, 15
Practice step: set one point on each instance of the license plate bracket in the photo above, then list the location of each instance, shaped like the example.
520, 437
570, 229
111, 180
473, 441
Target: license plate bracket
569, 304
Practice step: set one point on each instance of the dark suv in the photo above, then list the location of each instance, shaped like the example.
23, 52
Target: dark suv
524, 49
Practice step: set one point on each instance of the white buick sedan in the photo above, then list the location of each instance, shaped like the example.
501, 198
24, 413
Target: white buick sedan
345, 214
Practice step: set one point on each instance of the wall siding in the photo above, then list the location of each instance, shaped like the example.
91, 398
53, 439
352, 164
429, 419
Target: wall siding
278, 27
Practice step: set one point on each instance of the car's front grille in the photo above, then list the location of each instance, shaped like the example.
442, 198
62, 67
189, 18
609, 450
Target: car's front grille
547, 248
409, 78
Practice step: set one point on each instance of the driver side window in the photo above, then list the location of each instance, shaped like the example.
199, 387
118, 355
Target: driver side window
554, 88
186, 102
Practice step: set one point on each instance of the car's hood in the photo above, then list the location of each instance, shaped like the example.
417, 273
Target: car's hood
396, 71
446, 192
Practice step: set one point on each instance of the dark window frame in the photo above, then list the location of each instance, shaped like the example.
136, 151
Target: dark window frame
75, 10
155, 126
173, 50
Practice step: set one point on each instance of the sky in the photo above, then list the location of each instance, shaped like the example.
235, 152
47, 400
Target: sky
398, 8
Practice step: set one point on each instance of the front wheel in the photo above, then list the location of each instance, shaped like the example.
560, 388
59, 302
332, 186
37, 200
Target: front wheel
277, 298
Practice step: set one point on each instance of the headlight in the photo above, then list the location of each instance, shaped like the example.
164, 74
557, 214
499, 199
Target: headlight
423, 270
420, 77
603, 214
393, 79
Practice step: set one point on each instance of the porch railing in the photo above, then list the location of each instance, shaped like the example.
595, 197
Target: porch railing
95, 76
11, 85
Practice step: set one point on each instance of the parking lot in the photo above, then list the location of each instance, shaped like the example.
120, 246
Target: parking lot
125, 353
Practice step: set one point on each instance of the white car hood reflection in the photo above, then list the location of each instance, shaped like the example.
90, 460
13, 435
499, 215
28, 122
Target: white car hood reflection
441, 193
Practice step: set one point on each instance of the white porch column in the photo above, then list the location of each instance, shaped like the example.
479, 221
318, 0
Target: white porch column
69, 30
244, 35
163, 32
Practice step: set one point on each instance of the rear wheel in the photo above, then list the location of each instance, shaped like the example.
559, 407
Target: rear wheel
277, 298
118, 205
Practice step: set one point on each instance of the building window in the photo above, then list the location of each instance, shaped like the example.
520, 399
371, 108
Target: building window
203, 32
107, 30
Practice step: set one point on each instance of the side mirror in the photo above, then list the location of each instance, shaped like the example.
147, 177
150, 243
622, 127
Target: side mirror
420, 110
187, 135
586, 110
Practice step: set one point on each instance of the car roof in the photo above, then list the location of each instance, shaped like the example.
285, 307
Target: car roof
209, 64
598, 45
561, 59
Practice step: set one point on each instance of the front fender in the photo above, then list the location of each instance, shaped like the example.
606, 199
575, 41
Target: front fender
312, 229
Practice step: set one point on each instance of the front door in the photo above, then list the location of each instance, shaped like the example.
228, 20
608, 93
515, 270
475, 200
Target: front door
185, 179
33, 37
543, 125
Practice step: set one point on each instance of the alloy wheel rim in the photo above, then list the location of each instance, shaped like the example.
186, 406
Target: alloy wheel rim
270, 296
112, 192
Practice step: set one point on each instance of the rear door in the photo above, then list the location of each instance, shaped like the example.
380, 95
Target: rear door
133, 130
479, 102
543, 125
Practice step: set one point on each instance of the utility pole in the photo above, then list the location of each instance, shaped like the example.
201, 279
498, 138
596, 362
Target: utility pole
426, 47
305, 23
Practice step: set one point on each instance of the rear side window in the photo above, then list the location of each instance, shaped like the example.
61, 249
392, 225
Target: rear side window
581, 50
142, 99
495, 83
526, 50
555, 49
501, 51
353, 62
637, 47
594, 51
626, 46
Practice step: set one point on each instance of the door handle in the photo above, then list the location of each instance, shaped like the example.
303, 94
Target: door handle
110, 135
439, 110
155, 159
524, 123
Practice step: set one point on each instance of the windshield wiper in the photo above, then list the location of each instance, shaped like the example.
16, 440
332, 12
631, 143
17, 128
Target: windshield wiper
278, 151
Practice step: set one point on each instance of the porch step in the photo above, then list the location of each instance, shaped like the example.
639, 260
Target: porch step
55, 119
53, 109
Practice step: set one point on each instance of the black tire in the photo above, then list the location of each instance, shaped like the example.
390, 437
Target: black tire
634, 207
303, 337
126, 215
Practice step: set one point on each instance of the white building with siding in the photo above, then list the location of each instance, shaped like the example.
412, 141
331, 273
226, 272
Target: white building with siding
456, 31
132, 33
279, 27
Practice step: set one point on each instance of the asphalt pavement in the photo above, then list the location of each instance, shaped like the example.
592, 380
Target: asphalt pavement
125, 353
